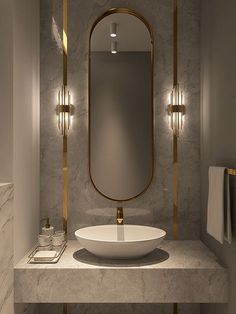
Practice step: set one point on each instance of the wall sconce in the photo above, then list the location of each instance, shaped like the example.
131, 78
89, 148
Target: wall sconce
176, 110
64, 110
113, 47
113, 30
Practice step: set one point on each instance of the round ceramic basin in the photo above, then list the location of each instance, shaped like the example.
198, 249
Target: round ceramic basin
120, 241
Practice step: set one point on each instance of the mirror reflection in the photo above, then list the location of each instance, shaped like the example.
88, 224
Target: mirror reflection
120, 105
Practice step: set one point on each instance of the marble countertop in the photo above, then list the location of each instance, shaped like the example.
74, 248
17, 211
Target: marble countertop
177, 272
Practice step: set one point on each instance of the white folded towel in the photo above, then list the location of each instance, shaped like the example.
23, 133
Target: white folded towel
218, 209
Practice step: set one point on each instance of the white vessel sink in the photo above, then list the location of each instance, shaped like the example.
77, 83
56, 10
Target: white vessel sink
120, 241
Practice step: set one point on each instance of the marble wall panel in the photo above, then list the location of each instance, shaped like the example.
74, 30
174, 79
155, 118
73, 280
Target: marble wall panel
83, 198
6, 249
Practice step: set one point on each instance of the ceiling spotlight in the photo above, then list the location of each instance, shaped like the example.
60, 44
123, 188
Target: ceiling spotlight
113, 30
114, 47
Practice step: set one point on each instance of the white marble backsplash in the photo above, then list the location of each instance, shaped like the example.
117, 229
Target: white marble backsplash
6, 249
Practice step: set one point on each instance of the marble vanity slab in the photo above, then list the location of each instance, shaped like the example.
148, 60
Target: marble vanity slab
178, 272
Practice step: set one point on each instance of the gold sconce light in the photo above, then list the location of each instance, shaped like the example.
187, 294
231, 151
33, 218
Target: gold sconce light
64, 110
176, 110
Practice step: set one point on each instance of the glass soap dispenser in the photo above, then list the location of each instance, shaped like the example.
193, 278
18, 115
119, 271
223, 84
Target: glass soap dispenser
48, 229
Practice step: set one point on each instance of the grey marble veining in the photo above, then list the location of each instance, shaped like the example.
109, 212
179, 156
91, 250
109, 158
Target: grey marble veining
6, 248
178, 272
157, 201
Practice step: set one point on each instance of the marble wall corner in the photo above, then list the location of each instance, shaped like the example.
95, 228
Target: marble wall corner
6, 248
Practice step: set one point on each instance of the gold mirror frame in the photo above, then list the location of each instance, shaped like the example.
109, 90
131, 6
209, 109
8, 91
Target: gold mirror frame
140, 17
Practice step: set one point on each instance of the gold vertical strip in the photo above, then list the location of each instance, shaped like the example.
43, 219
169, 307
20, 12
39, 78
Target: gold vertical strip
175, 188
65, 184
65, 166
64, 308
175, 308
175, 43
64, 39
175, 138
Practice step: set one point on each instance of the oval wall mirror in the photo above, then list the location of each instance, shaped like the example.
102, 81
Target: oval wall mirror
121, 105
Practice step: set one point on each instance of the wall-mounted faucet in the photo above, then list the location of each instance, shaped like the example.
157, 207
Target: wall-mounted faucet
119, 216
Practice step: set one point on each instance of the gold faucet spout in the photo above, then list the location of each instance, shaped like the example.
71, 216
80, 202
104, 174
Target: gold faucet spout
119, 216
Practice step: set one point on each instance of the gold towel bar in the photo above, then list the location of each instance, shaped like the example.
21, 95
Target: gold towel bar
231, 171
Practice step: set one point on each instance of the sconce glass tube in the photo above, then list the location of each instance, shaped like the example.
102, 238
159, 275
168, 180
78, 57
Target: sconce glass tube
113, 47
65, 110
176, 110
113, 30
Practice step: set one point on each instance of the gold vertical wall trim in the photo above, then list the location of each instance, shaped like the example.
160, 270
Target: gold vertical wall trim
65, 166
175, 43
64, 39
175, 308
65, 184
175, 188
64, 308
175, 139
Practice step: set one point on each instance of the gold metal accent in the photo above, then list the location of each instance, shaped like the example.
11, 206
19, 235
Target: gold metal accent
175, 308
175, 138
62, 109
175, 42
232, 172
65, 184
51, 260
139, 16
119, 216
175, 188
176, 108
64, 41
65, 166
64, 308
65, 108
